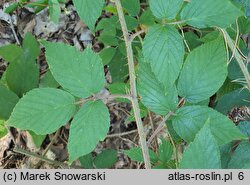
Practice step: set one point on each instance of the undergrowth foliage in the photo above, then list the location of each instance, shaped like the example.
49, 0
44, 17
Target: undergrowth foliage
179, 53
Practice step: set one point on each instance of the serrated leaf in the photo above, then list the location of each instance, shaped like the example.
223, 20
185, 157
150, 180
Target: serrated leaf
89, 11
132, 6
240, 156
210, 13
89, 126
43, 111
189, 120
203, 152
106, 159
10, 52
163, 48
165, 151
22, 75
239, 97
8, 100
54, 10
159, 98
81, 73
165, 9
204, 72
135, 154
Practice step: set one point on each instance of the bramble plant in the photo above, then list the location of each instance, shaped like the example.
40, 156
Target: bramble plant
166, 57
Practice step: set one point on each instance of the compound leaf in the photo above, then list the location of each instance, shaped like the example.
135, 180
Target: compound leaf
89, 126
43, 111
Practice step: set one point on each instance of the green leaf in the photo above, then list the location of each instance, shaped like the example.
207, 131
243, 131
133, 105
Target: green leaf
107, 54
238, 98
81, 73
192, 40
246, 5
3, 129
89, 11
37, 139
108, 39
159, 98
89, 126
244, 127
241, 156
165, 151
106, 159
204, 72
189, 120
135, 154
43, 111
31, 47
163, 48
8, 100
132, 6
225, 153
203, 152
118, 67
87, 161
10, 52
165, 9
54, 10
48, 81
210, 13
12, 7
22, 75
147, 18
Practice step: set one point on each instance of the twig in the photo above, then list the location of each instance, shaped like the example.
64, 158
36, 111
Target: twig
184, 39
109, 97
159, 128
122, 134
177, 22
13, 31
42, 158
133, 91
132, 37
